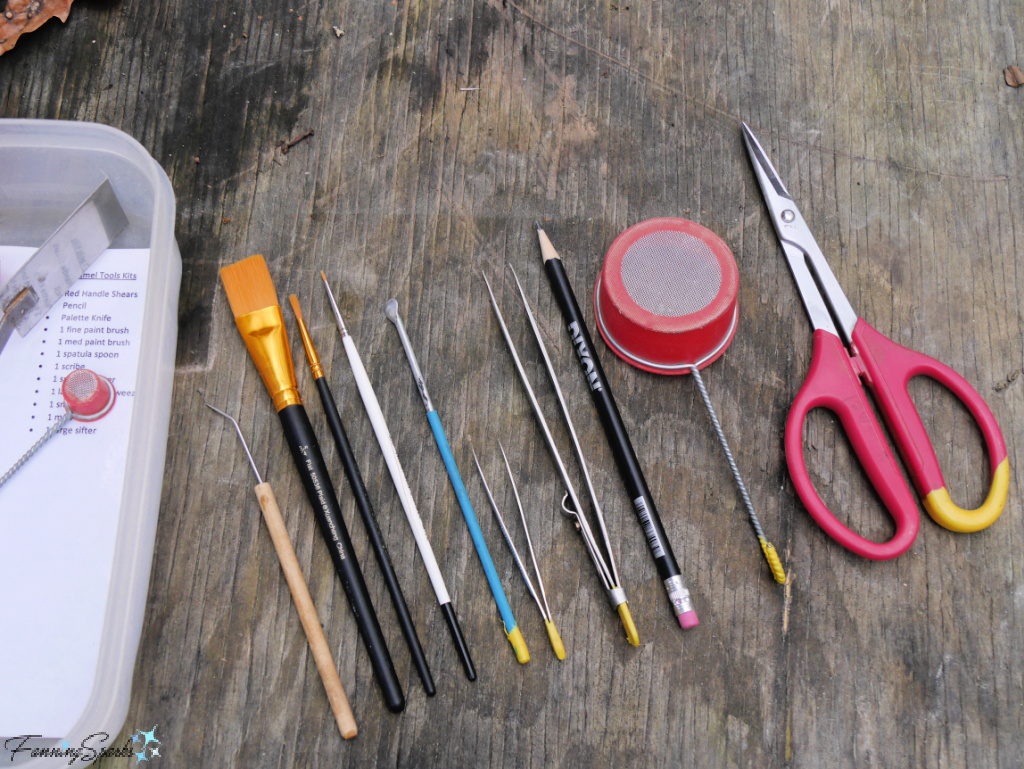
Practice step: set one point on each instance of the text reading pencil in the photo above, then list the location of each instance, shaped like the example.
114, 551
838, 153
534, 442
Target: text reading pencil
387, 448
618, 438
253, 300
300, 595
355, 480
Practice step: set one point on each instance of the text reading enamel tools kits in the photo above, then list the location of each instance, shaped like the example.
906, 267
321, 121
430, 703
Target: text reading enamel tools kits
387, 447
853, 356
300, 595
87, 397
666, 302
542, 601
618, 438
355, 481
616, 594
512, 630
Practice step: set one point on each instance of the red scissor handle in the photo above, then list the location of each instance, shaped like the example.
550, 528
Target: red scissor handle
833, 384
888, 368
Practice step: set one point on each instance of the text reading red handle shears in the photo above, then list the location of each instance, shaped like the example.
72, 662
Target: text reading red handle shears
840, 367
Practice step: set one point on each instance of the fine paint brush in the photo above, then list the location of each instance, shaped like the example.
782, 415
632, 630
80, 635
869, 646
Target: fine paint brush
387, 448
355, 480
616, 595
545, 610
572, 430
618, 438
253, 300
300, 595
515, 636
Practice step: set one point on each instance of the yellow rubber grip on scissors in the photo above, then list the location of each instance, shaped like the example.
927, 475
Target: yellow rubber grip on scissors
945, 512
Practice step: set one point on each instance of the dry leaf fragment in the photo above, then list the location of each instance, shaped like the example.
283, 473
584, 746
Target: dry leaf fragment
1013, 76
22, 16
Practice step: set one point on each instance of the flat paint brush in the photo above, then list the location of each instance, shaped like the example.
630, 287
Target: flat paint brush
301, 597
618, 439
355, 481
512, 631
387, 448
253, 300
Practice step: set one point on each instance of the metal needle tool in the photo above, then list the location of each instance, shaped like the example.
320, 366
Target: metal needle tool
300, 595
616, 594
512, 631
549, 622
572, 430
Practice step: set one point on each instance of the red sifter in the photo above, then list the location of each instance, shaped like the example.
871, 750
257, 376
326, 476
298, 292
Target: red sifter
87, 397
666, 302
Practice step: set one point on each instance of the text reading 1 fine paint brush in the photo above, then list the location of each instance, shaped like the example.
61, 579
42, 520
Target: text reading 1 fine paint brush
515, 636
355, 480
618, 438
545, 610
387, 448
300, 595
572, 430
253, 300
616, 594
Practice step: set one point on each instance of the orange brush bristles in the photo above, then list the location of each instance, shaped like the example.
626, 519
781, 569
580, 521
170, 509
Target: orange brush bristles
248, 285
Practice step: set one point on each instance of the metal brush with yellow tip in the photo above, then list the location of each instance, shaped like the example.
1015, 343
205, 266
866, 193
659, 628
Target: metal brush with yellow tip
608, 573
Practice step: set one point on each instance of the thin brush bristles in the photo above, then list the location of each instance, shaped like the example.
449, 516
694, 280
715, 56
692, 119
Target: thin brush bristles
248, 285
295, 308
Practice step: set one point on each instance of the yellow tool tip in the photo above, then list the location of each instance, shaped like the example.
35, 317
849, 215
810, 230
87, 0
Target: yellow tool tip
773, 561
627, 623
323, 275
515, 637
556, 640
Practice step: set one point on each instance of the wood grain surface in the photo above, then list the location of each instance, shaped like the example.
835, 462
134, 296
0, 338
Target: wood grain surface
442, 129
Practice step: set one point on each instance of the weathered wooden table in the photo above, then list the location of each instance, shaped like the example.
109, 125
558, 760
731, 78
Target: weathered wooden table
442, 130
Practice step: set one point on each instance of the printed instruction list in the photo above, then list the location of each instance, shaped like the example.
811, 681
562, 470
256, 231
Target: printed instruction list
59, 513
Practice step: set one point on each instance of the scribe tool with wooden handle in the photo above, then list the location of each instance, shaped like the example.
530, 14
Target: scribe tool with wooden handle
300, 595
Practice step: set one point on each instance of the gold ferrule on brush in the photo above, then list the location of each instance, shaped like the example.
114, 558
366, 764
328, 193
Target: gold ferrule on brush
307, 343
264, 335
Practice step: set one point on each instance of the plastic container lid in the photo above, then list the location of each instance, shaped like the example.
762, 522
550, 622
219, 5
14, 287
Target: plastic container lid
50, 167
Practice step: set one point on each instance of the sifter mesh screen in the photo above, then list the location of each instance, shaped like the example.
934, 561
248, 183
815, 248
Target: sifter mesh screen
671, 273
79, 386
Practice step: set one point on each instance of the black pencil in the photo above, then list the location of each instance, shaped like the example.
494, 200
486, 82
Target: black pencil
355, 480
618, 438
253, 300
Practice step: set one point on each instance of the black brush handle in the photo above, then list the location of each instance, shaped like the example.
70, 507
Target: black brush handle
380, 550
460, 641
611, 421
310, 463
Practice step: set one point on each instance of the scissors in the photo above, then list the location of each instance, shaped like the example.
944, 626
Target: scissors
841, 366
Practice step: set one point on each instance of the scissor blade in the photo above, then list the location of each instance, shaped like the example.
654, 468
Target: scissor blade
795, 234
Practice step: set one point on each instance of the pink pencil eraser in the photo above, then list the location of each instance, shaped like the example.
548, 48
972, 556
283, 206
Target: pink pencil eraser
688, 619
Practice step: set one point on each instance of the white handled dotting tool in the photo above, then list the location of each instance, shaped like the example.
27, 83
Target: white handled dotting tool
387, 447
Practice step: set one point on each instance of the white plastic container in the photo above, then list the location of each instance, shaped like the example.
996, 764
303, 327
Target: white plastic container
46, 169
